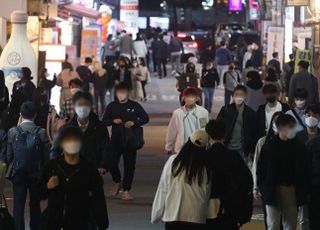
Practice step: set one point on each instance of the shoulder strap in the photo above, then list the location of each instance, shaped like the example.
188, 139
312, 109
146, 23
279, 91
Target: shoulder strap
298, 118
19, 129
36, 130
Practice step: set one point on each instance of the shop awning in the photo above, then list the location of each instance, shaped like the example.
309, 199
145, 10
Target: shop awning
82, 11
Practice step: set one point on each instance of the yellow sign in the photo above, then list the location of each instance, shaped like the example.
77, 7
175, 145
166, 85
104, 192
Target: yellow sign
298, 2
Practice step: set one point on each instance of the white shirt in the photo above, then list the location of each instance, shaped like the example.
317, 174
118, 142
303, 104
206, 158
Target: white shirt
190, 124
176, 200
175, 133
270, 111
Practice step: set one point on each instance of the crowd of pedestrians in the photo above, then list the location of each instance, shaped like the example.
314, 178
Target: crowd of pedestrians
264, 143
62, 157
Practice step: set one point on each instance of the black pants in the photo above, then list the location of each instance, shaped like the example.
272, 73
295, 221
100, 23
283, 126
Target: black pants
129, 163
99, 96
221, 224
314, 210
184, 226
144, 83
22, 185
161, 64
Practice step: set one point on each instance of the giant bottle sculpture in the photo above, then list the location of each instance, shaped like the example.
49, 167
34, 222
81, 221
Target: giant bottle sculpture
18, 52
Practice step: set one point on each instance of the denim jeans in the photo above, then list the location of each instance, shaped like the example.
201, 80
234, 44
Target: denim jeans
285, 210
227, 97
208, 98
21, 186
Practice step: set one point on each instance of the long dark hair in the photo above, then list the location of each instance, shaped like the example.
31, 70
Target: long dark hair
193, 161
2, 84
271, 134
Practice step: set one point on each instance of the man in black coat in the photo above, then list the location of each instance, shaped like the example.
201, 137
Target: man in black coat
275, 63
126, 118
240, 121
266, 111
73, 188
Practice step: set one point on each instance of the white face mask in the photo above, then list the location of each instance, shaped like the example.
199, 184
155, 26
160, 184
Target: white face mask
300, 103
291, 134
74, 90
72, 147
190, 101
274, 128
122, 96
82, 111
238, 100
312, 122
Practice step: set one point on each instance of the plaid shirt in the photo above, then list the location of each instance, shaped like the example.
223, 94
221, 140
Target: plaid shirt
67, 109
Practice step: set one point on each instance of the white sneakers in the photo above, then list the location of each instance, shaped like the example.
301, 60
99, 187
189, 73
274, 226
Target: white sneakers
116, 190
125, 195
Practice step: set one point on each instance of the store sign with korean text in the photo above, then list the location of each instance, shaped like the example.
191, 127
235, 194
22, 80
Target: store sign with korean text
129, 15
298, 2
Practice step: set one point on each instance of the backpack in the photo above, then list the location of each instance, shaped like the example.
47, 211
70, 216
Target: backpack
6, 220
27, 149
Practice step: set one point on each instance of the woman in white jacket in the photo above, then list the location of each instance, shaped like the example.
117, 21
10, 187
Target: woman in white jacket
183, 193
185, 121
140, 47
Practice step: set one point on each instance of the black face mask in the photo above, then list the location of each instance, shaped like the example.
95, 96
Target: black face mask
271, 99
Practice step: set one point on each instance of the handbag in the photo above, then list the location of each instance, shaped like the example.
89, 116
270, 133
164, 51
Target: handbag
135, 137
6, 220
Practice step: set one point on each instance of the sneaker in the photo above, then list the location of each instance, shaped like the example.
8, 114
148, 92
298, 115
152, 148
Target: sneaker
126, 196
115, 189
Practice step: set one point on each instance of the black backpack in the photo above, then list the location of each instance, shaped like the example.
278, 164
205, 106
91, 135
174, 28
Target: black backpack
27, 149
6, 220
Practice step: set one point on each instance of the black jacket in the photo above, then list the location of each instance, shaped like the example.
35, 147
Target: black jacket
228, 171
228, 114
261, 116
126, 79
209, 78
77, 200
130, 111
96, 147
313, 147
283, 163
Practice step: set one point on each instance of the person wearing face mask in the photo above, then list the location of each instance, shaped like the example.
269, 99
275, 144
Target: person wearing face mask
231, 79
282, 175
266, 111
298, 112
96, 143
122, 73
272, 132
73, 187
185, 120
67, 108
188, 79
311, 121
240, 121
313, 146
126, 118
209, 80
